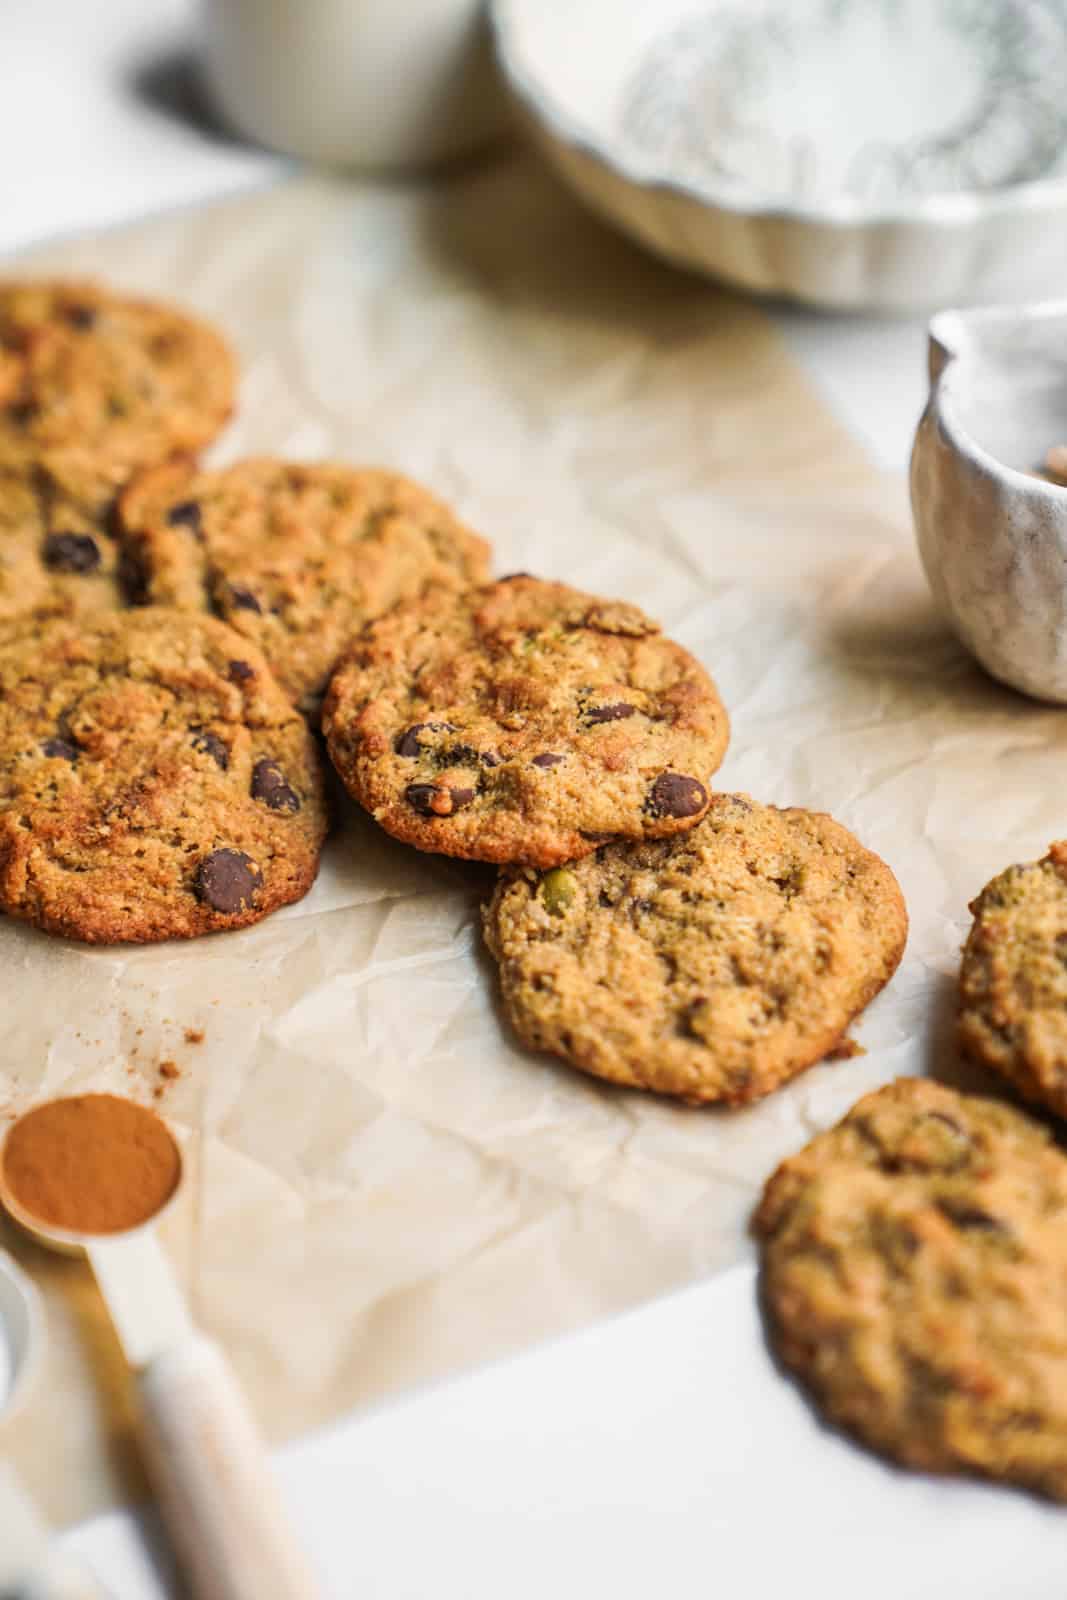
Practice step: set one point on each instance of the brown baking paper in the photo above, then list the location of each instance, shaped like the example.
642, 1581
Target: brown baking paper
383, 1187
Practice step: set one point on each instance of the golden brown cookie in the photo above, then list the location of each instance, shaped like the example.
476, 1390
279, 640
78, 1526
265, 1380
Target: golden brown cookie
915, 1275
297, 557
155, 781
1013, 978
95, 385
713, 966
524, 722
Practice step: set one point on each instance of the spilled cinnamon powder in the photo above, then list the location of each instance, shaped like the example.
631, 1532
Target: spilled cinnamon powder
90, 1163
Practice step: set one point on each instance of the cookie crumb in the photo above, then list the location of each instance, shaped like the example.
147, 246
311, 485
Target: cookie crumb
845, 1050
169, 1070
194, 1035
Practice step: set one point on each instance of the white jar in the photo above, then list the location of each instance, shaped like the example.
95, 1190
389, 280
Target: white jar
380, 84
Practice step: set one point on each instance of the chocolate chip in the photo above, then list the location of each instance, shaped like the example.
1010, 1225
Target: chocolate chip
71, 552
241, 672
227, 880
489, 758
243, 599
674, 795
970, 1217
269, 785
212, 745
81, 317
613, 713
513, 577
459, 755
430, 800
60, 749
22, 413
186, 514
547, 758
407, 743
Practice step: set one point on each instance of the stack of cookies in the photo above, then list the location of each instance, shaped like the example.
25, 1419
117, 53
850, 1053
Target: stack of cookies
171, 637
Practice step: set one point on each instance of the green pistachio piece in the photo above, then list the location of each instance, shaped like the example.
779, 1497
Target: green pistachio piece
558, 889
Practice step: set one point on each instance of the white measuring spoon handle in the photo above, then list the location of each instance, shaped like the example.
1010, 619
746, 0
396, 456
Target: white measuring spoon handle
30, 1567
221, 1506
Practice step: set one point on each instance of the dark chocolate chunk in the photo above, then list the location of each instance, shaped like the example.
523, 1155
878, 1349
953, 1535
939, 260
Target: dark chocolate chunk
460, 797
22, 412
407, 743
433, 800
243, 599
71, 552
547, 758
459, 755
612, 713
186, 514
227, 880
675, 795
81, 317
421, 797
60, 749
212, 745
241, 672
489, 758
270, 786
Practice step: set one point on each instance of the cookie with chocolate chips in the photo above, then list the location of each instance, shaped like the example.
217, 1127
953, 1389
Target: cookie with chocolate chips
525, 722
713, 966
915, 1276
96, 385
155, 780
297, 557
1013, 979
93, 387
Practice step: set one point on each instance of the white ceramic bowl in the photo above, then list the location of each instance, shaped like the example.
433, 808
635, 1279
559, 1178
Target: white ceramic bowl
887, 154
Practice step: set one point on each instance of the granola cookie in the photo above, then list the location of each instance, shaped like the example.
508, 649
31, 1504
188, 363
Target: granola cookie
713, 966
524, 722
95, 385
296, 557
915, 1275
155, 781
1013, 979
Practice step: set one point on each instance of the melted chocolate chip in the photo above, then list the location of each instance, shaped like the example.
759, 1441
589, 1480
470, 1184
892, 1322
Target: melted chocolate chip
612, 713
270, 786
407, 743
71, 552
243, 599
675, 795
547, 758
60, 750
186, 514
431, 800
241, 672
81, 317
212, 745
227, 880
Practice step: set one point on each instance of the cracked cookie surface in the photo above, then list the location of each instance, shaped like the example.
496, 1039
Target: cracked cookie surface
915, 1274
524, 721
713, 966
297, 557
155, 781
1013, 978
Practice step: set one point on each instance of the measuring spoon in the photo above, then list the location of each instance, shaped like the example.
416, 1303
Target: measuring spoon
203, 1452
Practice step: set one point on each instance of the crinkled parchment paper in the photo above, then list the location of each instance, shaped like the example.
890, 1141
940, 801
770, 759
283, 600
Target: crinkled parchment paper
383, 1187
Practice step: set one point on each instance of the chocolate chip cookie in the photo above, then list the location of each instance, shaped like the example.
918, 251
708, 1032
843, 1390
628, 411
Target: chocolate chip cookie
295, 557
56, 558
526, 722
712, 966
915, 1275
1013, 979
155, 781
95, 385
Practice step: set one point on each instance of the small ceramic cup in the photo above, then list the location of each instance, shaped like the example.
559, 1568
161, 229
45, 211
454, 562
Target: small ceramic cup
378, 84
992, 531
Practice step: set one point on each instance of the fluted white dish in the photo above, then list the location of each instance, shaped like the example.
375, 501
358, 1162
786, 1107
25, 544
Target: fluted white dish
879, 154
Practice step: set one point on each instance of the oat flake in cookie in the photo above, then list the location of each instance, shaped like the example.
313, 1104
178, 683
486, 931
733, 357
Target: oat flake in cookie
96, 385
1013, 979
714, 965
915, 1275
296, 557
155, 781
524, 722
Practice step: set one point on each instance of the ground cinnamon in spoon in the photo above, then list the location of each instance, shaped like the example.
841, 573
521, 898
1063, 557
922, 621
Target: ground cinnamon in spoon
90, 1163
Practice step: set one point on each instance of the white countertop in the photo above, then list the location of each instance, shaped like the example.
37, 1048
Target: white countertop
99, 124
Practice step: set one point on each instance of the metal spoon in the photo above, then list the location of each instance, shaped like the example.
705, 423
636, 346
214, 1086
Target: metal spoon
204, 1455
